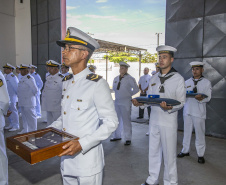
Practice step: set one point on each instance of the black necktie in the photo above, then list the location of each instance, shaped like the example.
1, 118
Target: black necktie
119, 83
164, 78
195, 83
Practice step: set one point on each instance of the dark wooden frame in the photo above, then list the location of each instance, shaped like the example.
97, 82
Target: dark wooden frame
15, 144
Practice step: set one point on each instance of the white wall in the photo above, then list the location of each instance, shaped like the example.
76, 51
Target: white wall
23, 32
7, 32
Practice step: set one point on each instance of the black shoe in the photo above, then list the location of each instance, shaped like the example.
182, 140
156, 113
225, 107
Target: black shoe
128, 142
115, 139
140, 117
180, 155
201, 160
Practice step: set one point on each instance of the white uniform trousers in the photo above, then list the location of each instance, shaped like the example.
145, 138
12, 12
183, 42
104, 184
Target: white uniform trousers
14, 117
89, 180
162, 141
199, 125
3, 156
29, 119
38, 106
124, 117
52, 116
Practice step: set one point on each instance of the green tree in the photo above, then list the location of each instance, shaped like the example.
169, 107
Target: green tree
149, 58
117, 57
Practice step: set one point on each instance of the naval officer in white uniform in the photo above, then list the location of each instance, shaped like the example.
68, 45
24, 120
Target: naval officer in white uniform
125, 87
64, 70
86, 99
12, 85
195, 111
167, 83
143, 86
52, 92
4, 106
39, 84
27, 91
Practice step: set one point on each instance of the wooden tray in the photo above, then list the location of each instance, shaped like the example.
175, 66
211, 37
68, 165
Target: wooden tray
39, 145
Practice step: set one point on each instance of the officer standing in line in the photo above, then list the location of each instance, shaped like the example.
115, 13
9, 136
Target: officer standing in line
64, 70
39, 84
52, 92
4, 105
125, 87
168, 83
19, 76
92, 68
143, 86
27, 91
195, 111
12, 85
86, 99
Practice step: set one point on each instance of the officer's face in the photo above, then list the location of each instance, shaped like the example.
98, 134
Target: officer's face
64, 69
32, 70
7, 71
74, 55
53, 70
17, 71
197, 72
123, 70
146, 71
165, 60
24, 72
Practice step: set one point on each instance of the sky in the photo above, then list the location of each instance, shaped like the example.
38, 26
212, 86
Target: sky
130, 22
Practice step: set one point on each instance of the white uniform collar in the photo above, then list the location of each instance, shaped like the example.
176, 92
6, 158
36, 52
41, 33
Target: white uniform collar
81, 74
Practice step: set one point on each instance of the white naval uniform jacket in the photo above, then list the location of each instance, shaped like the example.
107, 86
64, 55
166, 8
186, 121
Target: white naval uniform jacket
174, 89
194, 107
12, 85
128, 88
27, 90
84, 103
4, 100
38, 81
144, 81
52, 92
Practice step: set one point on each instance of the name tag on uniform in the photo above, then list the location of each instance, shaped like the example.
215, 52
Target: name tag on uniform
188, 86
115, 81
153, 84
79, 100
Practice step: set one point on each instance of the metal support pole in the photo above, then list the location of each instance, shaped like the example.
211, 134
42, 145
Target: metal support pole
106, 66
140, 63
158, 44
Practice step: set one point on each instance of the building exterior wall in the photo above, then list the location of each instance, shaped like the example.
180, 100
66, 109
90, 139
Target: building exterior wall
7, 30
23, 32
46, 30
197, 28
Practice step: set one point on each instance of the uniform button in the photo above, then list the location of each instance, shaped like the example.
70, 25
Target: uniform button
73, 81
64, 129
67, 96
78, 108
64, 89
64, 112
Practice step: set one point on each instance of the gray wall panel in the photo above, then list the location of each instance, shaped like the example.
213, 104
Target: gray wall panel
201, 36
177, 10
33, 12
54, 30
46, 30
188, 40
42, 12
54, 11
213, 7
215, 44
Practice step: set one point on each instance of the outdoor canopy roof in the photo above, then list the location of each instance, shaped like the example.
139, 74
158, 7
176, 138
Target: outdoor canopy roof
106, 46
